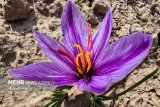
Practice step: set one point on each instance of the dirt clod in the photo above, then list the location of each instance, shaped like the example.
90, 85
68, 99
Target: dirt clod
100, 6
16, 10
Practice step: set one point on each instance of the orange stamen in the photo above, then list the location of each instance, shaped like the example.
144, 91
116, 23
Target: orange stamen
84, 59
79, 47
82, 55
77, 63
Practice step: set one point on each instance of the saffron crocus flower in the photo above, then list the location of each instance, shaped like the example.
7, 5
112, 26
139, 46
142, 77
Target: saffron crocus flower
89, 62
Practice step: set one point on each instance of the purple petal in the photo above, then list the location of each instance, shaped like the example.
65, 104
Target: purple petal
51, 48
46, 71
123, 56
97, 84
74, 27
101, 37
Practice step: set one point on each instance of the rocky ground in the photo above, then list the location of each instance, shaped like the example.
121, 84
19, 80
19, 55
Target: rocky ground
18, 47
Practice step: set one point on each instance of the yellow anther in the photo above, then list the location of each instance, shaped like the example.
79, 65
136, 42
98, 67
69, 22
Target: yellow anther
85, 65
88, 61
77, 63
79, 47
82, 55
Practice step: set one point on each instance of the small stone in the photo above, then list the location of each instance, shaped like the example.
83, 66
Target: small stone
134, 98
100, 6
56, 9
123, 30
42, 8
144, 17
148, 30
149, 85
154, 55
158, 62
92, 19
8, 57
16, 10
156, 84
7, 27
54, 25
155, 8
78, 99
157, 92
136, 27
154, 100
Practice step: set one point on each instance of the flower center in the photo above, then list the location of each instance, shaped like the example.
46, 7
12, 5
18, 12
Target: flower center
83, 61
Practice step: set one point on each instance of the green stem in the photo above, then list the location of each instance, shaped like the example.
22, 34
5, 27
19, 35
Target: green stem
48, 104
132, 87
